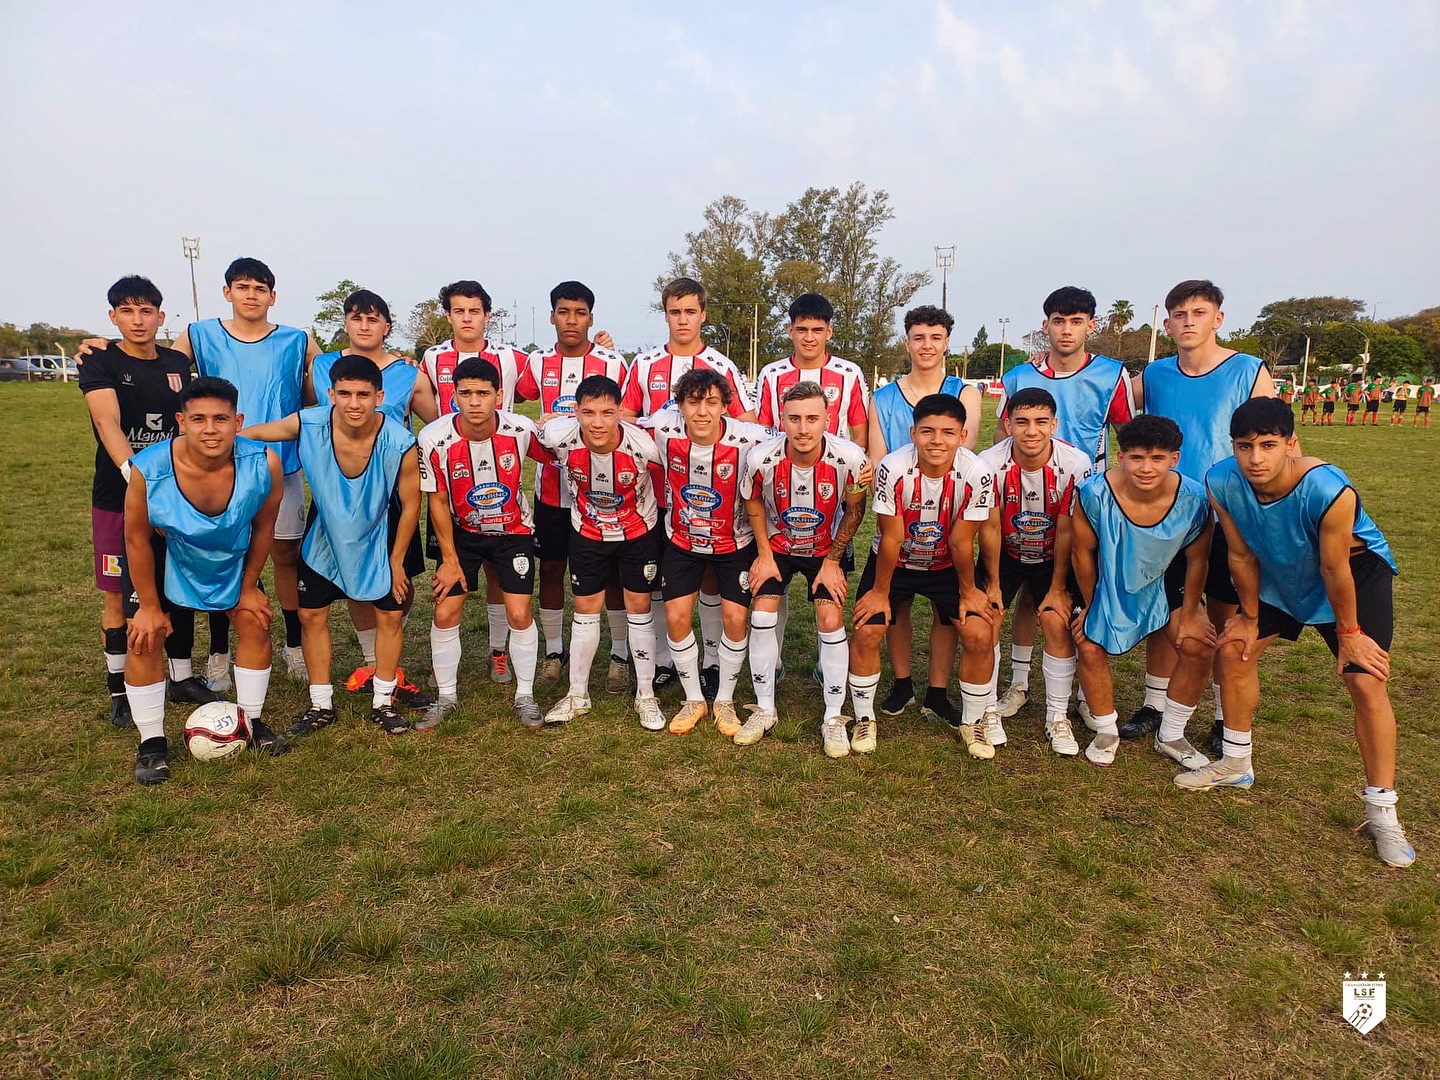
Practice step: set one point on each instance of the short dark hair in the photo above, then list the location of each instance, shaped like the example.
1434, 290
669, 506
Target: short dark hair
572, 290
804, 390
682, 287
249, 269
597, 386
698, 382
476, 367
812, 306
1070, 300
1262, 416
929, 315
365, 302
473, 289
134, 289
1150, 432
1193, 289
208, 386
1031, 397
939, 405
352, 368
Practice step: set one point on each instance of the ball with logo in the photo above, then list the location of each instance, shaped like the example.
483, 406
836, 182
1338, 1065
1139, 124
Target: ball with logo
216, 731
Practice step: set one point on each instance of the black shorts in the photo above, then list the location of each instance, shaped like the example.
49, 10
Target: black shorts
940, 587
1399, 406
682, 571
129, 600
1423, 409
594, 563
1372, 406
552, 532
1014, 573
318, 591
1307, 408
1327, 407
1374, 608
789, 566
1175, 582
1351, 408
512, 555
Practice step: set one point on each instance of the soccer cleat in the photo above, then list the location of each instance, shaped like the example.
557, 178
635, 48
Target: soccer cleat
152, 762
390, 721
866, 735
651, 716
500, 666
1217, 774
755, 726
617, 678
834, 738
410, 695
900, 698
816, 675
1013, 699
191, 691
664, 676
1144, 721
710, 682
780, 671
567, 709
941, 712
1101, 750
529, 713
435, 712
1179, 750
1389, 840
362, 680
1061, 735
551, 668
978, 747
265, 740
312, 719
120, 711
726, 721
690, 714
217, 673
295, 665
1086, 716
991, 729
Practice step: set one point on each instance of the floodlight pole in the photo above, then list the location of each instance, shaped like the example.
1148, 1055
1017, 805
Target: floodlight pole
1004, 325
191, 244
1154, 331
1305, 372
944, 260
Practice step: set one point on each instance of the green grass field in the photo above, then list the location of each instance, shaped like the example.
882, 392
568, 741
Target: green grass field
598, 901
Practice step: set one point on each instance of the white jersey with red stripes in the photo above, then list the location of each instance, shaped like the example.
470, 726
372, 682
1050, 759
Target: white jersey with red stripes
707, 511
847, 398
1031, 501
613, 494
440, 362
803, 506
551, 379
652, 377
482, 478
928, 506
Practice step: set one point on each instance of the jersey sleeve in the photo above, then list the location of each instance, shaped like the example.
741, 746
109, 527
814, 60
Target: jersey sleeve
97, 373
1122, 403
632, 398
859, 408
980, 482
534, 450
527, 386
553, 435
884, 500
740, 403
764, 408
429, 464
750, 472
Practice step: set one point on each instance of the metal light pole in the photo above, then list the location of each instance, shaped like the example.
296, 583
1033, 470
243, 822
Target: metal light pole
1154, 330
191, 244
1004, 325
1305, 372
944, 260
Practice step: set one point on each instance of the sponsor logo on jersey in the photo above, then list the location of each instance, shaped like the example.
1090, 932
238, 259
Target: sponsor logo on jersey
488, 496
110, 566
604, 500
460, 472
926, 533
802, 519
564, 405
697, 497
658, 382
154, 421
551, 378
1031, 523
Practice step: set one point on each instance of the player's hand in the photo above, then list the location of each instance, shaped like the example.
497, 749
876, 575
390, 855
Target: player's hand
86, 347
977, 602
545, 418
148, 630
832, 579
1195, 626
761, 571
1077, 626
399, 581
1058, 601
255, 603
604, 340
1243, 630
866, 477
1364, 652
868, 606
407, 358
447, 575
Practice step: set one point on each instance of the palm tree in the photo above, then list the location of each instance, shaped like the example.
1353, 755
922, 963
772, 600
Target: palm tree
1121, 315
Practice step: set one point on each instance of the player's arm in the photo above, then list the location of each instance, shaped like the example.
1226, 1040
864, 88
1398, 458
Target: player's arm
150, 626
1002, 421
442, 525
1242, 628
1337, 530
1083, 544
763, 568
830, 576
874, 443
1191, 621
285, 429
857, 419
407, 487
104, 407
877, 600
262, 538
1264, 384
1058, 599
1137, 390
970, 398
423, 402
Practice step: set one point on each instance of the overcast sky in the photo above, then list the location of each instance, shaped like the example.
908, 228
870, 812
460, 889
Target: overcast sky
1281, 149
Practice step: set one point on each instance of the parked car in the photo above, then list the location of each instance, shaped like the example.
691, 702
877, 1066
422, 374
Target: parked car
56, 365
19, 368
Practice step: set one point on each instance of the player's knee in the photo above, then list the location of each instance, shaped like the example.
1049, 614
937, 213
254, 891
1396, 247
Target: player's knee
314, 616
1230, 661
286, 553
976, 635
1196, 649
249, 626
828, 618
1091, 654
866, 639
1054, 625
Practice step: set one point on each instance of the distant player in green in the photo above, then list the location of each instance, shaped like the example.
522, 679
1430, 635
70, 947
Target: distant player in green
1354, 394
1310, 401
1398, 403
1328, 397
1373, 392
1423, 400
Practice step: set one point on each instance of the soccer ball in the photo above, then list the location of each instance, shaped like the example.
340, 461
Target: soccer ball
216, 731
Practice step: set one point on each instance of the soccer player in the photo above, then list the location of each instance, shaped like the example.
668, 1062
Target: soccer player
199, 521
1034, 476
1328, 397
892, 413
613, 469
1373, 394
1287, 393
1423, 398
1310, 401
1303, 552
365, 492
470, 466
132, 391
703, 452
1093, 397
551, 376
1354, 394
1398, 403
805, 497
932, 497
649, 387
1141, 552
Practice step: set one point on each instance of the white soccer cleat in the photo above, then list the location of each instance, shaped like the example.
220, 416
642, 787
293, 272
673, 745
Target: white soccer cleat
567, 709
295, 665
217, 673
1217, 774
651, 716
1087, 717
834, 738
1061, 735
1102, 748
1180, 751
969, 734
867, 734
755, 726
1013, 700
1390, 842
991, 730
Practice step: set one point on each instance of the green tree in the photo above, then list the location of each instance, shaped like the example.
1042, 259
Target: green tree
328, 325
1283, 325
981, 339
426, 325
1121, 315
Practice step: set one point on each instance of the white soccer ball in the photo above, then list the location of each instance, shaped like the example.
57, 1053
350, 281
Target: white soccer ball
217, 730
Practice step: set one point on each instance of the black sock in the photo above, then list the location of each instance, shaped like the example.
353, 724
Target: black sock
292, 628
115, 646
903, 684
936, 695
219, 633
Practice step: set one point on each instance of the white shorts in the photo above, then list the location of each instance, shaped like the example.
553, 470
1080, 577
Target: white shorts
290, 523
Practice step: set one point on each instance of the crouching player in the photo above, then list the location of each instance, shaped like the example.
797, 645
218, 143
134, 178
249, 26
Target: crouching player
199, 524
1303, 552
1141, 552
794, 488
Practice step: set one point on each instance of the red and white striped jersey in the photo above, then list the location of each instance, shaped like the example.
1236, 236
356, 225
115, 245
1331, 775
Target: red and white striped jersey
551, 379
1031, 501
441, 360
707, 511
926, 507
482, 478
648, 387
847, 398
803, 506
612, 495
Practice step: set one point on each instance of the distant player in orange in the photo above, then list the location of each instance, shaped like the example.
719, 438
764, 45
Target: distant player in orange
1398, 403
1423, 399
1310, 402
1287, 393
1372, 403
1354, 394
1328, 397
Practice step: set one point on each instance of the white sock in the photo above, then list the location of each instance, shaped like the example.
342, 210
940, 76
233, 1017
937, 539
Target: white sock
1219, 705
366, 638
499, 627
662, 637
862, 695
584, 643
782, 619
181, 669
991, 694
552, 621
640, 630
1155, 687
834, 663
1059, 672
1020, 665
147, 708
686, 657
712, 628
524, 652
764, 654
445, 652
384, 692
732, 659
1173, 719
619, 634
1238, 744
973, 699
251, 686
322, 695
1379, 804
1107, 724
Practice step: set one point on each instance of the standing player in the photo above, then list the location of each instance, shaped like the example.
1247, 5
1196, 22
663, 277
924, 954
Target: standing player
1303, 552
470, 464
1354, 394
1286, 392
1373, 392
551, 376
932, 497
613, 469
1310, 401
132, 391
1141, 553
1328, 397
1423, 400
805, 497
1398, 403
199, 521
